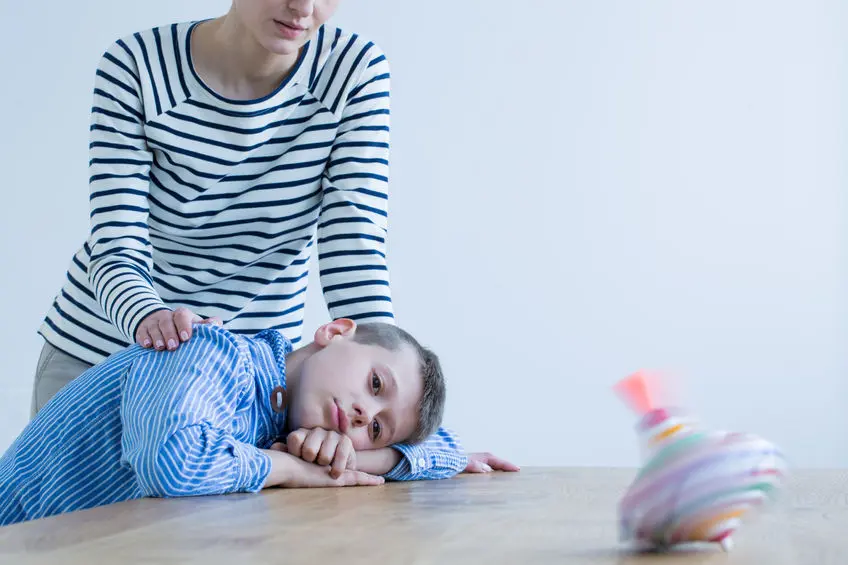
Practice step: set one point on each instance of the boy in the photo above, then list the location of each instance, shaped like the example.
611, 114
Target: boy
209, 418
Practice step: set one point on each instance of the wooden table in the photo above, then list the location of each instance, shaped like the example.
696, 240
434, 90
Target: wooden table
563, 516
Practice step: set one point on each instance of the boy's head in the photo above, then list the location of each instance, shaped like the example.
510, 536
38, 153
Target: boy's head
373, 382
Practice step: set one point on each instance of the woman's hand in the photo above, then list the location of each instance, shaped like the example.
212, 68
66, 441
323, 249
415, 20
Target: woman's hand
166, 329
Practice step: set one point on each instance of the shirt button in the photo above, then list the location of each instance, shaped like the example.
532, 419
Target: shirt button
278, 400
422, 462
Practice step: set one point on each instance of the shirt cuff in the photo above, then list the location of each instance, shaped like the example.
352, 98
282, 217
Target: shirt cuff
251, 469
421, 463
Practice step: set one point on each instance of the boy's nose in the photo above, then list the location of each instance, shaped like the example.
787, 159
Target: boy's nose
361, 415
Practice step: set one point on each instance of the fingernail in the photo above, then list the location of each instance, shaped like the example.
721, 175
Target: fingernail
184, 335
159, 344
146, 343
486, 468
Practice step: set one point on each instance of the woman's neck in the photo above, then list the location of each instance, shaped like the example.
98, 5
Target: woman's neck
232, 63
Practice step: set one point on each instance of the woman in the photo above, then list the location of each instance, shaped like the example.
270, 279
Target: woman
217, 150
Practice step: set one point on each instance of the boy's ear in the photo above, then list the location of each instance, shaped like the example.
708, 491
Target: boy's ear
343, 327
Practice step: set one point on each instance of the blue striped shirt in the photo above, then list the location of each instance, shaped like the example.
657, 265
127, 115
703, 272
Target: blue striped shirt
161, 424
216, 204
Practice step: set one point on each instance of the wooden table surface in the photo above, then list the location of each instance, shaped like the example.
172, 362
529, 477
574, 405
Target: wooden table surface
563, 516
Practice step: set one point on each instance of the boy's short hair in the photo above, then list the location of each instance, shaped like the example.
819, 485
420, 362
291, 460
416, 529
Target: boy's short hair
432, 404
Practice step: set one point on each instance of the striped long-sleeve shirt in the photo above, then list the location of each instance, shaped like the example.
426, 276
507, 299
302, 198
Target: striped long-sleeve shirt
147, 423
214, 204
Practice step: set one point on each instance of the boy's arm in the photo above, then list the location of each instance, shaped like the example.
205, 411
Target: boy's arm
443, 451
293, 472
440, 456
176, 412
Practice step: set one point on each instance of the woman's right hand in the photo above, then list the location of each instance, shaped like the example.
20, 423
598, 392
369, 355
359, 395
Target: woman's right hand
166, 329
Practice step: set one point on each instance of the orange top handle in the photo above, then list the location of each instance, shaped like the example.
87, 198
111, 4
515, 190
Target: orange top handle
640, 391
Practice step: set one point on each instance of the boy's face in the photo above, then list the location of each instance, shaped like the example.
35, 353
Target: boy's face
366, 392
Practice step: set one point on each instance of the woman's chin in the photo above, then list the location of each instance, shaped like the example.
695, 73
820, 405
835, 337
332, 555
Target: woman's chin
281, 46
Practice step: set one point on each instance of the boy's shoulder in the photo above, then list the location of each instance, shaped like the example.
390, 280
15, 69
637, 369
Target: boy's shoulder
217, 335
221, 338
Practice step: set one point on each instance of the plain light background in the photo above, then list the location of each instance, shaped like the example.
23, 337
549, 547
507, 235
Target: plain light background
579, 189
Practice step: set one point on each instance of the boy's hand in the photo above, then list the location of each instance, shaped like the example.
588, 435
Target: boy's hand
486, 463
324, 448
293, 472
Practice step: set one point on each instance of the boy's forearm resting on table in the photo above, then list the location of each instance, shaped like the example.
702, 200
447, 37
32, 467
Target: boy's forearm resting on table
378, 461
440, 456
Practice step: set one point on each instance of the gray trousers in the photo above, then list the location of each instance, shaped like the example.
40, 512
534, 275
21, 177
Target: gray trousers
55, 369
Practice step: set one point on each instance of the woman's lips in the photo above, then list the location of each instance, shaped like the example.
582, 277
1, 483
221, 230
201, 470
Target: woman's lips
289, 31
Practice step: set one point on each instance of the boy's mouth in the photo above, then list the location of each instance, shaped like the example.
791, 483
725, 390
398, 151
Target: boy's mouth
340, 418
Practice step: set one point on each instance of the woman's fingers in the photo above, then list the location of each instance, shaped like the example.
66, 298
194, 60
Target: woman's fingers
156, 336
214, 321
142, 337
166, 329
183, 320
169, 332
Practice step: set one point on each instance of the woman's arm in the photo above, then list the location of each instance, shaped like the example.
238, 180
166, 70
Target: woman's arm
352, 247
353, 221
119, 166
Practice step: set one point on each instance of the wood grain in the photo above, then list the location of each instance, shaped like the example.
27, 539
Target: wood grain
562, 516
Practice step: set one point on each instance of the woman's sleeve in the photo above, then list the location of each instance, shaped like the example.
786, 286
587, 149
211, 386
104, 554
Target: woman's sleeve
119, 166
353, 222
352, 239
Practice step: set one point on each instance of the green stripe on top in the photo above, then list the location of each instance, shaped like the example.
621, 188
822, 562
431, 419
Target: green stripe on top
670, 451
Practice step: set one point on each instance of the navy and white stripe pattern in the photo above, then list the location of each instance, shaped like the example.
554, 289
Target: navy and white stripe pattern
147, 423
215, 204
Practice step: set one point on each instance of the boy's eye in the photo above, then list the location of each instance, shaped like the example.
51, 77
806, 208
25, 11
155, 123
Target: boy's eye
376, 383
376, 428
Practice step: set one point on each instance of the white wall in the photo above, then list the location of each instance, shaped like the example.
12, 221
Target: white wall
580, 189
